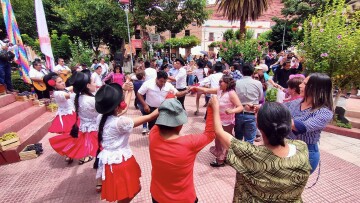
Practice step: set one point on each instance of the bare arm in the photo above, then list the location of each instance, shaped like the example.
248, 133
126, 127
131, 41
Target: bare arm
143, 119
206, 90
224, 137
127, 101
236, 101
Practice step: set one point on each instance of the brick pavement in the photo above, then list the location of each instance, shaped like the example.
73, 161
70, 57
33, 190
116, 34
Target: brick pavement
49, 179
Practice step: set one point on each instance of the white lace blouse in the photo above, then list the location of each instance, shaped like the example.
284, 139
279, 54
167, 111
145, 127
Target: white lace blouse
115, 142
65, 106
87, 114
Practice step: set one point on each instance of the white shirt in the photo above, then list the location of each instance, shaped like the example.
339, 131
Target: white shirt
213, 80
33, 73
97, 78
154, 95
65, 106
60, 68
115, 143
104, 70
150, 73
181, 78
87, 114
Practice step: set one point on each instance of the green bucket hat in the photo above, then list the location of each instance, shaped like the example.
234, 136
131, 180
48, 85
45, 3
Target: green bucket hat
171, 113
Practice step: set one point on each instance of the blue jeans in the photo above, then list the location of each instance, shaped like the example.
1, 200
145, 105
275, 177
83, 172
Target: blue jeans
190, 80
314, 156
245, 127
141, 108
5, 75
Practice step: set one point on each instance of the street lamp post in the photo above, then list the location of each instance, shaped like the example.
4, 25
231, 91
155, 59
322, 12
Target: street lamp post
125, 5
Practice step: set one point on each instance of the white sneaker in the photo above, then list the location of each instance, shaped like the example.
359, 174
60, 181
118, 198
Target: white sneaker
144, 131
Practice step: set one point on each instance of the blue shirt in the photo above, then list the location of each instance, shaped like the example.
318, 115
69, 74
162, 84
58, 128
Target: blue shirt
137, 84
308, 123
236, 75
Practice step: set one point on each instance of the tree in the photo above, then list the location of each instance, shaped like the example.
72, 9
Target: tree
229, 34
331, 45
169, 15
242, 10
299, 11
94, 22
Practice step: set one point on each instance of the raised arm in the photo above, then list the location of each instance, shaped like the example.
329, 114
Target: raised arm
224, 137
206, 90
146, 118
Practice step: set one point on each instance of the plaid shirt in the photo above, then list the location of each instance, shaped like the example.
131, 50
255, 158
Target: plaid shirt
236, 75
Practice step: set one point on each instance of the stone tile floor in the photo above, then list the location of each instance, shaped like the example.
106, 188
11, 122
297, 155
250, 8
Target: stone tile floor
49, 179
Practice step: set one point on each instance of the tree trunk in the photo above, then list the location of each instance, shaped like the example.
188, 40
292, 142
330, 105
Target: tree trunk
242, 29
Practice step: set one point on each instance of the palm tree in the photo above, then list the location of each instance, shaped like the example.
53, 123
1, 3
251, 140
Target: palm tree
242, 10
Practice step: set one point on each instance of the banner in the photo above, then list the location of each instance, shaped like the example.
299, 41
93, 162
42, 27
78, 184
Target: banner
14, 36
44, 39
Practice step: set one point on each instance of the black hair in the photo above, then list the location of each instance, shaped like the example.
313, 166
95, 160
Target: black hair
140, 75
319, 88
117, 66
37, 59
218, 67
237, 66
94, 60
294, 83
247, 70
36, 63
147, 64
75, 128
229, 81
164, 66
162, 74
201, 63
275, 121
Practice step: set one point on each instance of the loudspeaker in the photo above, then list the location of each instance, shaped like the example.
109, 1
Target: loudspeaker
119, 58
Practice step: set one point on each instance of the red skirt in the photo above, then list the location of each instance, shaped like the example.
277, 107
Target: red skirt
122, 181
85, 145
68, 122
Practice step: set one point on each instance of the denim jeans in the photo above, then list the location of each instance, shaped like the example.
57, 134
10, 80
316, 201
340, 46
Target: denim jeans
5, 75
245, 127
141, 108
190, 79
314, 156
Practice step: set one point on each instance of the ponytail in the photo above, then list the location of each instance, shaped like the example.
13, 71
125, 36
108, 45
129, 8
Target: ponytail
75, 128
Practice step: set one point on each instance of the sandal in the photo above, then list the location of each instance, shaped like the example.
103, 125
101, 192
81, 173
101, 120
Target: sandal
216, 164
98, 188
196, 113
69, 160
85, 160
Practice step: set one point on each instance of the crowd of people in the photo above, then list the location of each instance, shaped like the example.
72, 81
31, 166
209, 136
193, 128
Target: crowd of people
91, 123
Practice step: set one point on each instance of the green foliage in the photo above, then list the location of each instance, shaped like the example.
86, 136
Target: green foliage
249, 48
185, 42
34, 44
229, 34
331, 44
158, 46
81, 53
94, 21
18, 83
265, 36
338, 123
60, 45
249, 34
291, 37
215, 44
175, 16
271, 95
299, 11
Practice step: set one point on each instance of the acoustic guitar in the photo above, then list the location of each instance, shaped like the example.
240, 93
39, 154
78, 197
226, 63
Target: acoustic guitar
65, 75
41, 86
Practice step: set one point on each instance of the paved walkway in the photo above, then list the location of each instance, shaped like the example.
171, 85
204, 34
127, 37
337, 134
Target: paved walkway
49, 179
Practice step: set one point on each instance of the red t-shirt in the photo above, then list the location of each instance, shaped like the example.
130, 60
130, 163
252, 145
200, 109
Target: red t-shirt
173, 163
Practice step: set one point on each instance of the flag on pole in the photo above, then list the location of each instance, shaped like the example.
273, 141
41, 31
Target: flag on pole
44, 39
14, 36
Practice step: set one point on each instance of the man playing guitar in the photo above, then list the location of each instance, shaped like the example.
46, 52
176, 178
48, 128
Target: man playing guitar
36, 75
61, 69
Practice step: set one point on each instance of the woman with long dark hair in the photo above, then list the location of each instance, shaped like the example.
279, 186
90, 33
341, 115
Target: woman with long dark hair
274, 172
312, 113
84, 146
118, 168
